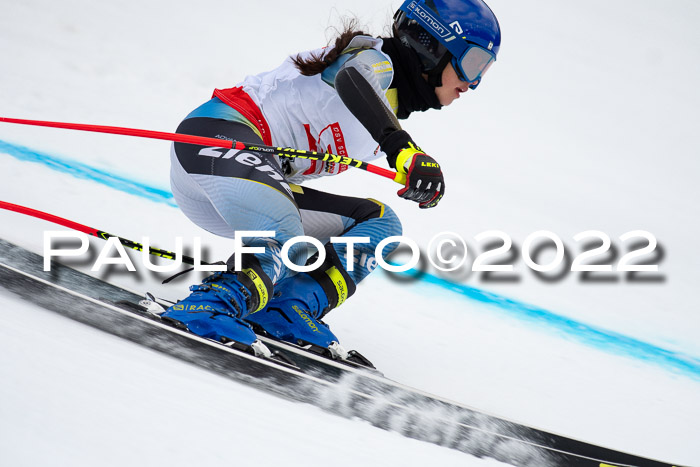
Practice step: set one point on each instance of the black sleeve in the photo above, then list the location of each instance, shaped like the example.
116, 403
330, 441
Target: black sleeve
363, 102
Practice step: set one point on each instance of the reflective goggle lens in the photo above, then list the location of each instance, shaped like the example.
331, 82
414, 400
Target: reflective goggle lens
474, 63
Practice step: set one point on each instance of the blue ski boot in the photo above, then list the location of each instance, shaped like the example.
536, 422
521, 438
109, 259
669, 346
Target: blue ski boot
295, 311
215, 309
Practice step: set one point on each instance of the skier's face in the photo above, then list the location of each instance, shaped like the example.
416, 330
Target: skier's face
451, 87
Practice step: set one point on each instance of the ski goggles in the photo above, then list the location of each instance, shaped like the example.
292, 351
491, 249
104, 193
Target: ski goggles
473, 64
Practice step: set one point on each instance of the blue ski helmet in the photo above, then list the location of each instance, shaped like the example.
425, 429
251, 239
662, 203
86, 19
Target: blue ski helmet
465, 32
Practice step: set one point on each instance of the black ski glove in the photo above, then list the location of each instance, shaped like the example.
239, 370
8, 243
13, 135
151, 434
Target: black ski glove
424, 181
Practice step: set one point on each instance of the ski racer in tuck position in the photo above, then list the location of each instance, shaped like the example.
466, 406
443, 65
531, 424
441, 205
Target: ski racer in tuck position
345, 99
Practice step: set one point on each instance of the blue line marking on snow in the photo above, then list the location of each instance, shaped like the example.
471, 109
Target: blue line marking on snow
592, 336
84, 171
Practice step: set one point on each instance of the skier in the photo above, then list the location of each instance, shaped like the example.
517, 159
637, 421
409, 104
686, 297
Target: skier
344, 100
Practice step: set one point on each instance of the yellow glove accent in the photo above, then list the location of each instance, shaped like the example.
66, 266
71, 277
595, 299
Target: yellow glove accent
405, 157
400, 178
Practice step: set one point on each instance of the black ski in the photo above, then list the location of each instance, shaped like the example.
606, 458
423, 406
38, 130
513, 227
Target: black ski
295, 373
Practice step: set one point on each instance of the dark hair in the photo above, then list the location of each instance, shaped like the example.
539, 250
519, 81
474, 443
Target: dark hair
317, 62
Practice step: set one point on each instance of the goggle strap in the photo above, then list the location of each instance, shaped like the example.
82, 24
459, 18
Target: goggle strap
458, 69
435, 75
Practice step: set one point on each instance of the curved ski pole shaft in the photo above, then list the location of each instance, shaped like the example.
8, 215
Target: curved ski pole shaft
324, 157
94, 232
215, 142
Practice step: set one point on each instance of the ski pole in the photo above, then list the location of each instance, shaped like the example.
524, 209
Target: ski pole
94, 232
219, 143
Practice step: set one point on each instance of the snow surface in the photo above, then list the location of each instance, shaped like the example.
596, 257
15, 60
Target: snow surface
114, 403
585, 122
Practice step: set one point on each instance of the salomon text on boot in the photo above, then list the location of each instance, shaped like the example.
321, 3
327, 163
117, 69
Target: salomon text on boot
295, 311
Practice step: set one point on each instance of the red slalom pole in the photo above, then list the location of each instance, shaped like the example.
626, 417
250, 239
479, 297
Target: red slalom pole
115, 130
50, 217
215, 142
92, 231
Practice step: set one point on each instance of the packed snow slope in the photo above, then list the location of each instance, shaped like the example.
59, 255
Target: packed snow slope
584, 123
99, 400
